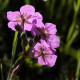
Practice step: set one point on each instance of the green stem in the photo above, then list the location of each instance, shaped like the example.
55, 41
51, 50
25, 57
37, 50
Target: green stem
13, 54
78, 65
15, 70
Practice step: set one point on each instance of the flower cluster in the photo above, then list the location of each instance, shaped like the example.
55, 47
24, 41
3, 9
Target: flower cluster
29, 20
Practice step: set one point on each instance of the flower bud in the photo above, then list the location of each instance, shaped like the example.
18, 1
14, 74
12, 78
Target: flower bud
18, 28
37, 39
31, 43
24, 38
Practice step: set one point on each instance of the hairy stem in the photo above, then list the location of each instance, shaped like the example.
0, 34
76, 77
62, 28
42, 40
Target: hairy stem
16, 69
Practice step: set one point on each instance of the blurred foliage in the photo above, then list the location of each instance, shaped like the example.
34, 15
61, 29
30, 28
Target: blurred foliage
66, 15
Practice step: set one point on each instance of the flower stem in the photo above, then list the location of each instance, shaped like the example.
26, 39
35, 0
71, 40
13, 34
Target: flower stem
16, 69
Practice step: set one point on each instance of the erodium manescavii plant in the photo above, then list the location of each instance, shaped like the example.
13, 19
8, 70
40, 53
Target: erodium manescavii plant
44, 42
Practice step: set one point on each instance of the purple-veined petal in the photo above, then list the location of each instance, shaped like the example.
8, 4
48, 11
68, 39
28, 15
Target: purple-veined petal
36, 27
53, 51
53, 41
13, 16
34, 31
37, 50
39, 24
44, 43
50, 60
38, 47
12, 25
36, 22
36, 54
37, 16
27, 9
27, 26
41, 61
36, 19
51, 28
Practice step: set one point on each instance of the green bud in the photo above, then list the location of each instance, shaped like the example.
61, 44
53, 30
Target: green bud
24, 38
18, 28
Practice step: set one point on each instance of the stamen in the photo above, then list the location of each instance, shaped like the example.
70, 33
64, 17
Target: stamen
17, 21
28, 22
28, 16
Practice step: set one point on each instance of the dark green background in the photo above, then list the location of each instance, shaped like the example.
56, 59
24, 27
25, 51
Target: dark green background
66, 15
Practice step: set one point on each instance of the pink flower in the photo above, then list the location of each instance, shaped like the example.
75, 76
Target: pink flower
44, 54
25, 18
48, 34
44, 30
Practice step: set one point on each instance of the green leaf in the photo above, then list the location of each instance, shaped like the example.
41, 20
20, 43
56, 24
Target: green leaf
78, 65
76, 9
16, 61
71, 27
76, 5
14, 46
70, 41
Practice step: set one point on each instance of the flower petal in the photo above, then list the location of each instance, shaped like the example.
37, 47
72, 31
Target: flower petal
27, 26
37, 50
12, 25
37, 16
36, 28
13, 16
36, 19
44, 43
38, 47
50, 59
51, 27
34, 31
27, 9
53, 41
41, 61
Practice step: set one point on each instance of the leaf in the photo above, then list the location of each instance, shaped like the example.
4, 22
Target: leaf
16, 61
70, 41
76, 9
14, 46
71, 28
78, 65
76, 5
